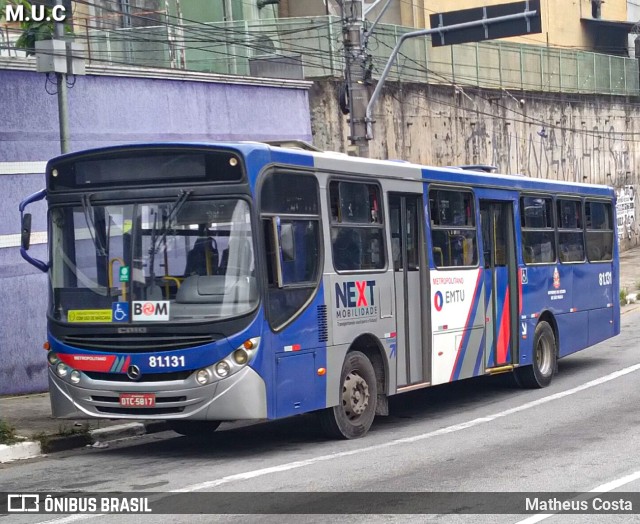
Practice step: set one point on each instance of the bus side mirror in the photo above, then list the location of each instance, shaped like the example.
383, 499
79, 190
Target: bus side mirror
25, 233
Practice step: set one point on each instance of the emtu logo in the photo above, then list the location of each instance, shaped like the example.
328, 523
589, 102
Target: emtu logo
37, 13
438, 301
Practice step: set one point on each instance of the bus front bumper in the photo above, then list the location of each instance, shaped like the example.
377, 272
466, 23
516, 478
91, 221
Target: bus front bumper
240, 396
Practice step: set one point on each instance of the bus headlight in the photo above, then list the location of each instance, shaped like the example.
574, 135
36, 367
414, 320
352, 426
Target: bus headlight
52, 358
223, 369
235, 360
62, 369
203, 376
240, 356
75, 376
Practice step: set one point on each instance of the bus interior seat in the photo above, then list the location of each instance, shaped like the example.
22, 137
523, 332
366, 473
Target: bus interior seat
346, 250
202, 259
240, 250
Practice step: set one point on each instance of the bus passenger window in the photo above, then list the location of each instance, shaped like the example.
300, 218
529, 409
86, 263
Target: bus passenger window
294, 269
570, 232
453, 228
356, 226
599, 224
538, 230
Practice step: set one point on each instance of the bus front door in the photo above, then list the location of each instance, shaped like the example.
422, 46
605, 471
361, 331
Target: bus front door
407, 241
500, 278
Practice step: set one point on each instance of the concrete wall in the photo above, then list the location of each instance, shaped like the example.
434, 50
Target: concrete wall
106, 110
578, 139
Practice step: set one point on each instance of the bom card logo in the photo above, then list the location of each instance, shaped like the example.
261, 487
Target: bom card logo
150, 311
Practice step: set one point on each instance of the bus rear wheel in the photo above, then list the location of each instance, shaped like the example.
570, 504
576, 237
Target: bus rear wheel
194, 428
540, 373
353, 416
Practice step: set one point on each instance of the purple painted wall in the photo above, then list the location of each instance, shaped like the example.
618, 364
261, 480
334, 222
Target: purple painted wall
106, 110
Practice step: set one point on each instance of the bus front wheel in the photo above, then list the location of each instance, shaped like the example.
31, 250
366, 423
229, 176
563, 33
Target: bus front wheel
193, 428
540, 373
354, 414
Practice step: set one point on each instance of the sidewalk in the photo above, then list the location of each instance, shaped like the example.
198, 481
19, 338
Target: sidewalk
39, 432
30, 415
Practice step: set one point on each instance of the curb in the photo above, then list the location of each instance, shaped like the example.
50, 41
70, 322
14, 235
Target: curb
54, 443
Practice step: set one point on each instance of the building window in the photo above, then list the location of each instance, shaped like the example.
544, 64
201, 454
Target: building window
538, 233
570, 230
599, 224
453, 228
357, 231
291, 228
596, 8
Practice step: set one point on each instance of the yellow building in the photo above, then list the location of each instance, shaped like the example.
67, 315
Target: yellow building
591, 25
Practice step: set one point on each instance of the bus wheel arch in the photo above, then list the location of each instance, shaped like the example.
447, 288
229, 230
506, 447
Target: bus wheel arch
545, 355
362, 382
371, 346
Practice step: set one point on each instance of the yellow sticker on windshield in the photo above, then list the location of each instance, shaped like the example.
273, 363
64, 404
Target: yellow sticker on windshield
90, 315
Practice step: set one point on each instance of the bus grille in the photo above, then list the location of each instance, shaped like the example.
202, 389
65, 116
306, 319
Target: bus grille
148, 377
323, 333
139, 411
137, 344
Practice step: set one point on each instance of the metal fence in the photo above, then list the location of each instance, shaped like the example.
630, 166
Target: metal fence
228, 47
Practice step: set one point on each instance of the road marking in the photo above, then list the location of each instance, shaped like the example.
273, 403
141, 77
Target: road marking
603, 488
406, 440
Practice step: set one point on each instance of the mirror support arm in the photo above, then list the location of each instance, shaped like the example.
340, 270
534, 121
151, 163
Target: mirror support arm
40, 195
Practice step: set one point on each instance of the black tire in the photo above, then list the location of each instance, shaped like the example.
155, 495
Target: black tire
353, 416
194, 428
540, 373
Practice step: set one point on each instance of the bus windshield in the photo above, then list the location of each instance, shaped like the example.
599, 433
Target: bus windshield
184, 260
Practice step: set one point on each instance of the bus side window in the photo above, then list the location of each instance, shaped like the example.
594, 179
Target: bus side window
599, 222
357, 231
293, 198
453, 228
538, 230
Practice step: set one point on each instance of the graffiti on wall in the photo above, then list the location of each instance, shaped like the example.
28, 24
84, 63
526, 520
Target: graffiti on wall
596, 155
626, 211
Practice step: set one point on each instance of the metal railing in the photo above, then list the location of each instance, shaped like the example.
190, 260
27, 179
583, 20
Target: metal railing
227, 47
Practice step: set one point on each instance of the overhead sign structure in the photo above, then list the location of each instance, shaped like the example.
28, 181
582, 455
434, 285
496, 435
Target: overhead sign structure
444, 34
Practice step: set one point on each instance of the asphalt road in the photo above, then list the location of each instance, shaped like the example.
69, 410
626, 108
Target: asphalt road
577, 435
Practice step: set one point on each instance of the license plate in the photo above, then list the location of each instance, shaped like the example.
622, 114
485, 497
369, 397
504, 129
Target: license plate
137, 400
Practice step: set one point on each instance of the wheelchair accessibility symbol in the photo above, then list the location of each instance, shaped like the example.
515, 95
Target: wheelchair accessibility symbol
120, 311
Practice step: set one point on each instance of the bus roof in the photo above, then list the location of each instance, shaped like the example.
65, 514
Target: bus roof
301, 154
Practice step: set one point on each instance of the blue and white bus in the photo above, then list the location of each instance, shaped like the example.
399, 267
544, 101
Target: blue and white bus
198, 283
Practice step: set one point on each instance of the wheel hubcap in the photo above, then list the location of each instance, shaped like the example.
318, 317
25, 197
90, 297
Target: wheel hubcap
355, 395
543, 356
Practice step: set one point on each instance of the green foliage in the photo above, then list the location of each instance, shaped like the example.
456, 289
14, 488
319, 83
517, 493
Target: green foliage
7, 433
34, 31
623, 297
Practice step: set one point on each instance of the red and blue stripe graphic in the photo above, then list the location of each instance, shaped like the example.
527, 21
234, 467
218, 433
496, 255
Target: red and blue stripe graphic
466, 350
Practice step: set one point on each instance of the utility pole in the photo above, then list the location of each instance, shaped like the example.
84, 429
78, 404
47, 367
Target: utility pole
63, 103
62, 57
357, 74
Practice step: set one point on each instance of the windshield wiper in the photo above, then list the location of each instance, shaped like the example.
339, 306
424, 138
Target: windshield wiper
87, 208
171, 215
